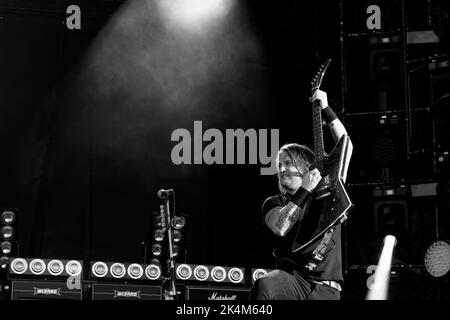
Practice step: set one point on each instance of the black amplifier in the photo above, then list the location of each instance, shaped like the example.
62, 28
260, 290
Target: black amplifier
216, 293
118, 291
44, 290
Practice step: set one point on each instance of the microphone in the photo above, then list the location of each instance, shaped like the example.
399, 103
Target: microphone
163, 194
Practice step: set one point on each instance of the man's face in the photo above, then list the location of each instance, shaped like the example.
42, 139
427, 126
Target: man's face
288, 173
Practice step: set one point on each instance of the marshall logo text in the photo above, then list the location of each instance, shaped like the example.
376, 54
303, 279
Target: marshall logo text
216, 296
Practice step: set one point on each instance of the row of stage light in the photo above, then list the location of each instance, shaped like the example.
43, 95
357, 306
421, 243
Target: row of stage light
99, 269
210, 273
130, 271
119, 270
207, 273
45, 267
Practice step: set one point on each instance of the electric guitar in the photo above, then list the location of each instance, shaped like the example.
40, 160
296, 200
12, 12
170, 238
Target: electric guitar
329, 203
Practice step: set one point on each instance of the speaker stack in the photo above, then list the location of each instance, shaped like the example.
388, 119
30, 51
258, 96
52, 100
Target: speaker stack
64, 279
125, 281
38, 279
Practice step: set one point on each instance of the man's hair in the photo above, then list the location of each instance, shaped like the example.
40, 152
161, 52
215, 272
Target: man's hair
301, 156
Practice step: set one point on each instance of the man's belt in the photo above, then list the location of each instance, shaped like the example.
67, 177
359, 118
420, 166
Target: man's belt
332, 284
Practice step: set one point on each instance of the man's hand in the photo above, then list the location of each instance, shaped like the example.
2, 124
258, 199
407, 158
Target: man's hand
311, 179
322, 97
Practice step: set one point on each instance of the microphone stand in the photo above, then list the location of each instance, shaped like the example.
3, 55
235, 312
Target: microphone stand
173, 289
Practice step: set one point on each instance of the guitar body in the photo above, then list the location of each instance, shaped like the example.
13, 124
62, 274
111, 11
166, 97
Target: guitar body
330, 210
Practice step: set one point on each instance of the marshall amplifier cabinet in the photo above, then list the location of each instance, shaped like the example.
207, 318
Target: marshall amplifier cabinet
216, 293
120, 291
44, 290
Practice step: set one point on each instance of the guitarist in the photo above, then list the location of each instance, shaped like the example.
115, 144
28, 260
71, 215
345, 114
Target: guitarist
300, 275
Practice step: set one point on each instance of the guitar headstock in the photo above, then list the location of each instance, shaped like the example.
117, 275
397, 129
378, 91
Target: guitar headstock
317, 80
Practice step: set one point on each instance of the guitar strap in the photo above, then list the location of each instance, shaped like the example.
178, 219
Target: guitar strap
319, 252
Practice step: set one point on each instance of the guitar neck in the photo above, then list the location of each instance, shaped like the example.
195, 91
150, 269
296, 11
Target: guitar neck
318, 132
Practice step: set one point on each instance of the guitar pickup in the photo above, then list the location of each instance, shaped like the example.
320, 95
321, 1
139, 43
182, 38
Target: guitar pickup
323, 195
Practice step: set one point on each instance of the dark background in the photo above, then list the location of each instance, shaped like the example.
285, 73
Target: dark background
84, 153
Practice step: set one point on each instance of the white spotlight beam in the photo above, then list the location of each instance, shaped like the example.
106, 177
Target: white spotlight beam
194, 14
379, 289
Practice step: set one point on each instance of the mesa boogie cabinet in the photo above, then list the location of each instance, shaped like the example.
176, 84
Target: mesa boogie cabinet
44, 290
119, 291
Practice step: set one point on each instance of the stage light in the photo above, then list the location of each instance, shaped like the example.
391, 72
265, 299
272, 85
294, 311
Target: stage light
258, 273
118, 270
437, 259
73, 268
201, 272
19, 265
158, 235
178, 222
177, 236
47, 268
159, 222
4, 260
153, 270
194, 15
99, 269
379, 289
156, 249
5, 247
6, 232
37, 266
218, 274
175, 250
7, 217
8, 245
235, 275
184, 271
207, 273
135, 271
55, 267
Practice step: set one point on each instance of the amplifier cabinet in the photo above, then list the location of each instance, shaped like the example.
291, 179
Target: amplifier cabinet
216, 293
119, 291
44, 290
